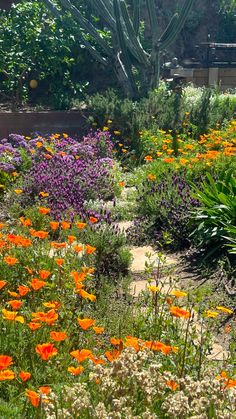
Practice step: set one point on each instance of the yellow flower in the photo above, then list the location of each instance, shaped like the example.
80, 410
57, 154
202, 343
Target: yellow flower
39, 144
153, 288
105, 128
18, 191
224, 309
117, 132
109, 121
211, 314
178, 293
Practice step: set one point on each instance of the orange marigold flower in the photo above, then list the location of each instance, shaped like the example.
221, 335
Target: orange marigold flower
59, 261
80, 225
5, 362
86, 295
23, 290
179, 312
33, 397
58, 336
71, 239
85, 323
80, 356
10, 260
93, 220
65, 225
2, 284
112, 355
54, 225
90, 249
44, 274
12, 316
98, 330
44, 210
46, 351
15, 304
7, 375
24, 375
76, 371
34, 326
36, 284
49, 317
172, 385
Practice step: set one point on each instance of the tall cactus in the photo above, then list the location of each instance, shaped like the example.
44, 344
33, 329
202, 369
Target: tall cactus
126, 52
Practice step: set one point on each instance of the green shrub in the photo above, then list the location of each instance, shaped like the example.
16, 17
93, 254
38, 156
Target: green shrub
216, 216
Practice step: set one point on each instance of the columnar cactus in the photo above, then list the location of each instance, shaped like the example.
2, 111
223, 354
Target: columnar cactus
126, 52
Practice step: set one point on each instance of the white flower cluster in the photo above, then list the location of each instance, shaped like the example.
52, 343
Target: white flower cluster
135, 386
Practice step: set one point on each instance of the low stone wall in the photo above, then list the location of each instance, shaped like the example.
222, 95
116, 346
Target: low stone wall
26, 123
223, 77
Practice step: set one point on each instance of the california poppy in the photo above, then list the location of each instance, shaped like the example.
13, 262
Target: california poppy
7, 375
44, 274
80, 225
5, 361
58, 336
25, 376
80, 356
12, 316
179, 312
44, 210
46, 351
76, 371
15, 304
2, 284
33, 397
86, 295
86, 323
10, 260
90, 249
36, 284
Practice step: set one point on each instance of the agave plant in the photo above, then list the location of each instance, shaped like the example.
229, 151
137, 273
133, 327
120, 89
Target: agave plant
216, 216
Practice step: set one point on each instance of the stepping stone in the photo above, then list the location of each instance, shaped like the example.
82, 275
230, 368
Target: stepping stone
139, 258
124, 225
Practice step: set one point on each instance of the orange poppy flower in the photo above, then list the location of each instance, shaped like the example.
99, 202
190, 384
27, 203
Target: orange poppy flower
54, 225
169, 160
12, 316
71, 239
87, 270
36, 284
80, 356
85, 323
25, 376
23, 290
98, 330
5, 362
10, 260
122, 184
78, 276
33, 397
39, 234
59, 261
80, 225
30, 271
148, 158
34, 326
86, 295
44, 210
44, 274
2, 225
46, 351
58, 245
58, 336
52, 304
18, 191
76, 371
15, 304
49, 317
150, 176
179, 312
97, 361
93, 220
65, 225
7, 375
25, 222
172, 385
90, 249
2, 284
115, 341
78, 248
45, 390
112, 355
